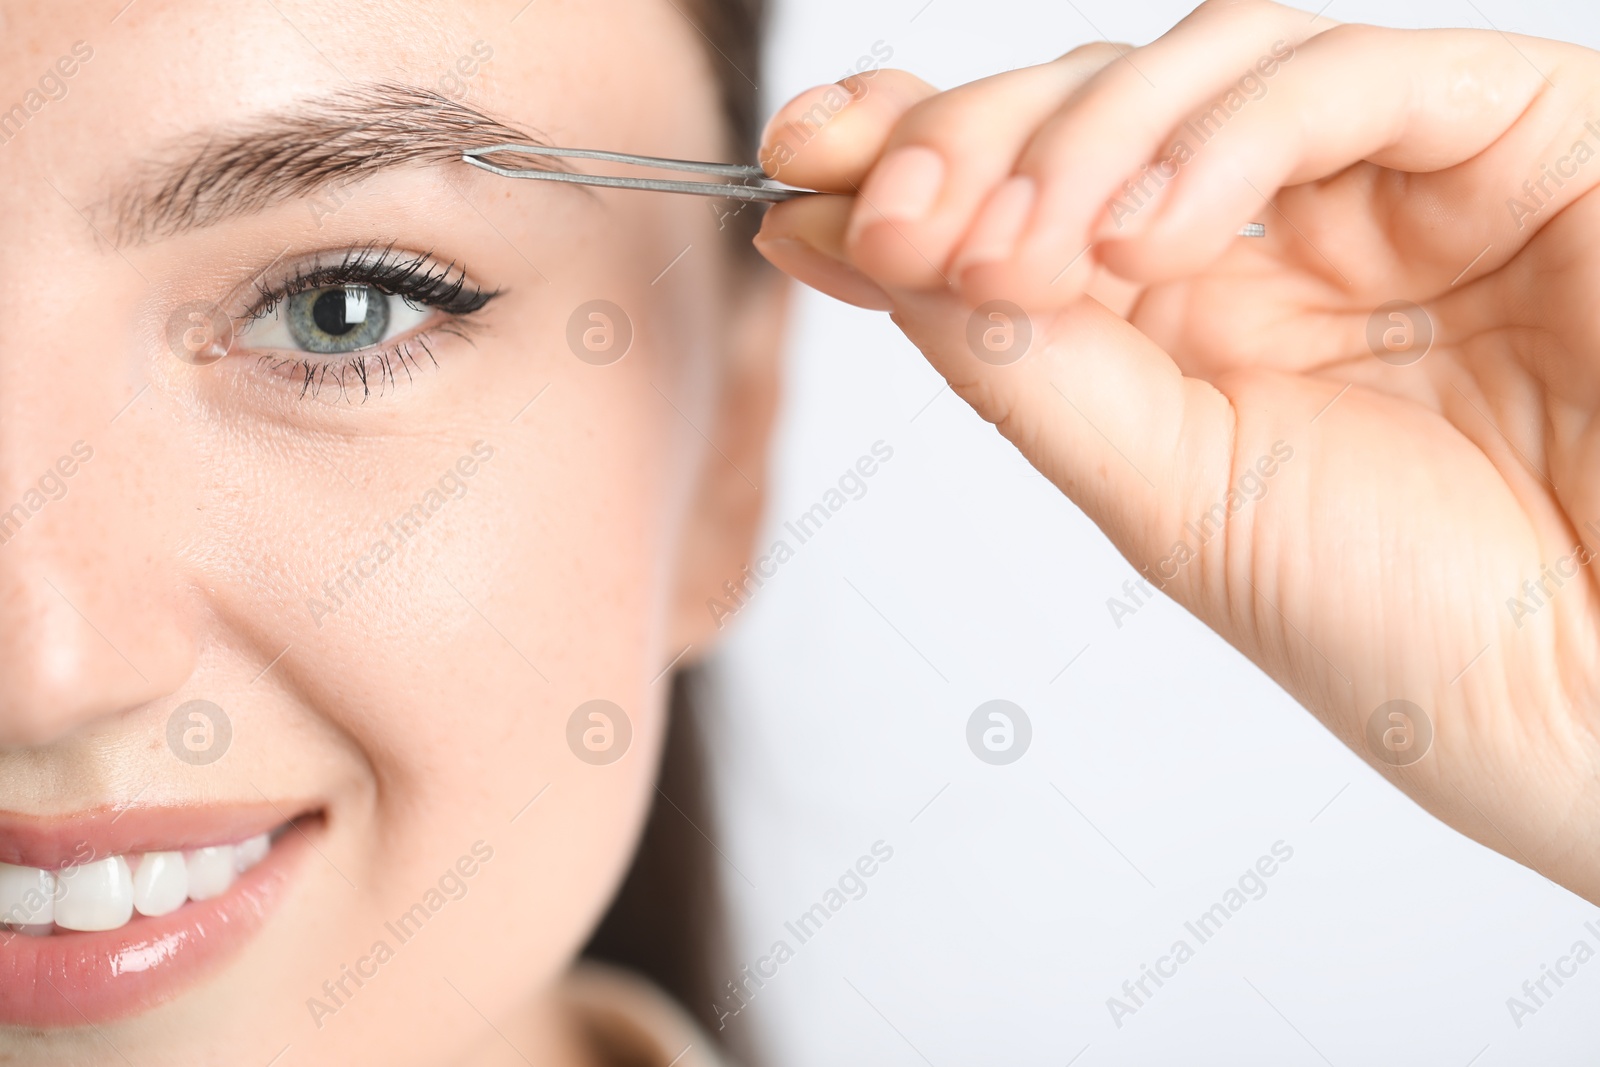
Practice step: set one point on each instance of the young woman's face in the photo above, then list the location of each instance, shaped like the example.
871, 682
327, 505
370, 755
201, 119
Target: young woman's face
354, 583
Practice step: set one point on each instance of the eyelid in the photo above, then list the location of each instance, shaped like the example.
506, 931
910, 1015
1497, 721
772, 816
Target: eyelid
357, 266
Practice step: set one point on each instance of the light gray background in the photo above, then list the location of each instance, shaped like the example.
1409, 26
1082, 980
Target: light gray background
1162, 765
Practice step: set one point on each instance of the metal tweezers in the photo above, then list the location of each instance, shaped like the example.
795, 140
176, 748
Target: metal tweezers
747, 183
744, 182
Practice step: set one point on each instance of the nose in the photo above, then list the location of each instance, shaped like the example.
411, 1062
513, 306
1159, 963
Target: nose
92, 621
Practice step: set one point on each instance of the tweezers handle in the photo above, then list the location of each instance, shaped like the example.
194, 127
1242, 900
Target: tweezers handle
749, 183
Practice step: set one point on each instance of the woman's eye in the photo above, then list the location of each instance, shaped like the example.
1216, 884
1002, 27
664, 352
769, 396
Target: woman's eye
333, 320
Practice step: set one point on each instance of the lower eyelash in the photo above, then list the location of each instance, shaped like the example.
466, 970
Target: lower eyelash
374, 370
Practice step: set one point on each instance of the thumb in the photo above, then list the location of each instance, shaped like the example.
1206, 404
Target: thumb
828, 138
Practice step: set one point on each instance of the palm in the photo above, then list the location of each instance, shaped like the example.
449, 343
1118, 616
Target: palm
1392, 562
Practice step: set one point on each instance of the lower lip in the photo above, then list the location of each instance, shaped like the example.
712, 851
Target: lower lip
75, 979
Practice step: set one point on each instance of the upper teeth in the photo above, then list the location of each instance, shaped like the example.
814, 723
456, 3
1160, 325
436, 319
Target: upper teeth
104, 894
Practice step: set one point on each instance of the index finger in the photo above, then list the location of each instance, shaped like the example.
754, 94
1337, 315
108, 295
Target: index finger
828, 137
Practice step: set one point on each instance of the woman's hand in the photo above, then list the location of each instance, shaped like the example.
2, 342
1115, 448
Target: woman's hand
1390, 507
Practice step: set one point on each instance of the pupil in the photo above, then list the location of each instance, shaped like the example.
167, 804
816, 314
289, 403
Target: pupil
328, 314
318, 318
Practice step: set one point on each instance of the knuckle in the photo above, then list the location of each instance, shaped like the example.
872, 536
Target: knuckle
1236, 8
1352, 34
992, 404
1096, 53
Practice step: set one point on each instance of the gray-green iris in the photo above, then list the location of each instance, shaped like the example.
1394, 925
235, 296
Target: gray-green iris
334, 320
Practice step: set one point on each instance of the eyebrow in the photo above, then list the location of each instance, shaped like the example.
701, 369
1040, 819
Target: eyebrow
343, 137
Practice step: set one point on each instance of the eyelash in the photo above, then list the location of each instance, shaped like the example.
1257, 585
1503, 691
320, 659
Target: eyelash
416, 278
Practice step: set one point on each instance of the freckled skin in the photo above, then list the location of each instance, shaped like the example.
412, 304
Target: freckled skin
432, 705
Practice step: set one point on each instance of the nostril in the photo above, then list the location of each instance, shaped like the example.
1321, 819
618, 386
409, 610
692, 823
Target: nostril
23, 727
58, 671
41, 697
39, 707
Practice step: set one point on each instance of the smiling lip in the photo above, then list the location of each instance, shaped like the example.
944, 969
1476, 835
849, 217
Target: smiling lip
73, 979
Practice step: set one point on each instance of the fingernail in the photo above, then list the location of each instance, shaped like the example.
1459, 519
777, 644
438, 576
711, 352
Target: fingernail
903, 188
774, 124
994, 236
797, 122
